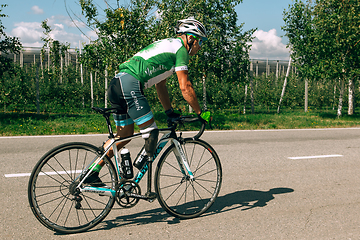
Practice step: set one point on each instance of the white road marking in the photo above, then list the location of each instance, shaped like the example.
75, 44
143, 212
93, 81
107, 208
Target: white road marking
41, 174
319, 156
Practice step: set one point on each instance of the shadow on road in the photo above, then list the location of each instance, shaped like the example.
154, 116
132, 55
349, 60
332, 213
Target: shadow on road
246, 200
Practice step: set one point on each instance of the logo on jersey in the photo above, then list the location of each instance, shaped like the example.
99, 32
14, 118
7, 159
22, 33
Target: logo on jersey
154, 70
136, 101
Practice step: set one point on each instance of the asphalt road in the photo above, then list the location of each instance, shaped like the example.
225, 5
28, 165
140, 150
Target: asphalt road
290, 184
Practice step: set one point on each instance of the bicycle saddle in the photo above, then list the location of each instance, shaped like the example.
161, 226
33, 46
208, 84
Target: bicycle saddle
104, 111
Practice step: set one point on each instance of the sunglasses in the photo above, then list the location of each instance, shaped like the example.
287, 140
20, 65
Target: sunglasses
197, 38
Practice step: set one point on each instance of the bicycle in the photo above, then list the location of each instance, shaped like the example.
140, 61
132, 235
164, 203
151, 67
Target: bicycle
187, 179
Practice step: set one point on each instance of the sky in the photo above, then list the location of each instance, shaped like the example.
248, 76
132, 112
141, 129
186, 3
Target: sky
25, 17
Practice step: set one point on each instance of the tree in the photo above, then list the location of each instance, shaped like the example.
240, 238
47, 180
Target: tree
57, 50
224, 59
324, 38
124, 32
7, 45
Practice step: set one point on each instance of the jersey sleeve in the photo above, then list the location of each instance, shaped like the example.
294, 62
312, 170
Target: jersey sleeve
182, 59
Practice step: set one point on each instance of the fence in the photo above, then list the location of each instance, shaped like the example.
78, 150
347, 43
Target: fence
94, 84
31, 55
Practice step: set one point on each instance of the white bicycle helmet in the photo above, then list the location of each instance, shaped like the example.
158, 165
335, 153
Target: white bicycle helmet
190, 25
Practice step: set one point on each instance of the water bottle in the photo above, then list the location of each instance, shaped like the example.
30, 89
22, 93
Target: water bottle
126, 164
141, 160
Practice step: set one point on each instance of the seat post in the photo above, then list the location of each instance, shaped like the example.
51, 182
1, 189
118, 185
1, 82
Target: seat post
107, 117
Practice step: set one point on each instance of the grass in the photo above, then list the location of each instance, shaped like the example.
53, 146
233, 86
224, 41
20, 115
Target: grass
15, 124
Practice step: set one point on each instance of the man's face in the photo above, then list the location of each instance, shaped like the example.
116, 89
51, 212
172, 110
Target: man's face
196, 44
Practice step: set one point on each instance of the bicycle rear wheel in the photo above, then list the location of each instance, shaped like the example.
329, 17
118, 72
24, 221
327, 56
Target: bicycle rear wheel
51, 189
180, 196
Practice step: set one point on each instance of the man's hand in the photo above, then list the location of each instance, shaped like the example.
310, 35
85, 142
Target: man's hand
205, 116
171, 113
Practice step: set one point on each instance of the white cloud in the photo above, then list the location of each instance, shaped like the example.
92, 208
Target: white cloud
268, 45
59, 26
66, 21
91, 34
36, 10
30, 33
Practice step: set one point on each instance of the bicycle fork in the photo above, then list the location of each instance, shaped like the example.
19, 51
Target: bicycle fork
182, 160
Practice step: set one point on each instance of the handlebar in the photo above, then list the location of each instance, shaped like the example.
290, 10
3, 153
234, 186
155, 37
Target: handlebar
173, 122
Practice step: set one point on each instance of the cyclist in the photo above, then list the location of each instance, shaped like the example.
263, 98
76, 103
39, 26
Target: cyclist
151, 66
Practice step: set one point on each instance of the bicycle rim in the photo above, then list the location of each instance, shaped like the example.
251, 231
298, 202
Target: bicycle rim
49, 195
177, 194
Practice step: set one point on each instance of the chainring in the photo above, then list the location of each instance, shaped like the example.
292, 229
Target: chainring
123, 189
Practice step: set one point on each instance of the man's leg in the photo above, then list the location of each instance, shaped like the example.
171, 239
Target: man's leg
122, 132
150, 134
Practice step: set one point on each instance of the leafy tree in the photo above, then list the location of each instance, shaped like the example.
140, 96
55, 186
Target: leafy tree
224, 58
56, 48
324, 38
126, 30
7, 45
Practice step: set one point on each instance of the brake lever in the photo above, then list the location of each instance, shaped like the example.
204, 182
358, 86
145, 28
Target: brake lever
172, 121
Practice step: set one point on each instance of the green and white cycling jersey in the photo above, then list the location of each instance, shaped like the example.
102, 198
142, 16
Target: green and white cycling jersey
157, 61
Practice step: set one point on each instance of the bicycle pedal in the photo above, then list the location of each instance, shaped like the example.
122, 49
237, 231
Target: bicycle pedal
78, 205
151, 196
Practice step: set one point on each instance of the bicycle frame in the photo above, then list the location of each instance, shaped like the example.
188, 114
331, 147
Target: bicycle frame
169, 135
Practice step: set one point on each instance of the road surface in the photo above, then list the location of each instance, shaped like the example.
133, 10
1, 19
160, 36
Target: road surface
279, 184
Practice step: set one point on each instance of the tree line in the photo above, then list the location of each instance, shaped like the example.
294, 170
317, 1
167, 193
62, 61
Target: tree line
324, 38
222, 64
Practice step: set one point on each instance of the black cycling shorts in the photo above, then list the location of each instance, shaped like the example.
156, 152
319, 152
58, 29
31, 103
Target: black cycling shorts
125, 93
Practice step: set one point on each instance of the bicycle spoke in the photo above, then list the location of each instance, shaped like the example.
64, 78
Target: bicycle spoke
197, 193
174, 167
95, 200
70, 163
182, 195
48, 193
174, 191
171, 185
201, 157
57, 207
76, 161
89, 206
62, 168
57, 173
49, 186
206, 173
68, 213
199, 167
203, 187
167, 175
50, 201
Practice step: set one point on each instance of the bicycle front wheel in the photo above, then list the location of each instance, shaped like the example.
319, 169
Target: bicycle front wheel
180, 196
51, 189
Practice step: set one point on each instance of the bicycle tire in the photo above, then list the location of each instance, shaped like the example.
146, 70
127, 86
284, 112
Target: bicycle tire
177, 194
49, 195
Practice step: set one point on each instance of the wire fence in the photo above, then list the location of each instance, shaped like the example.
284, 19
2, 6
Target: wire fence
30, 56
79, 87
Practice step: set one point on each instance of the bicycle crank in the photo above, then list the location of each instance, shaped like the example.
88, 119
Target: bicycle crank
127, 192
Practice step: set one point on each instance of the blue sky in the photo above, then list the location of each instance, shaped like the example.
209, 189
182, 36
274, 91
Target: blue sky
25, 18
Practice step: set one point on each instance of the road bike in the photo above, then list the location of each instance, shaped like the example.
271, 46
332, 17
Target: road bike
187, 179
